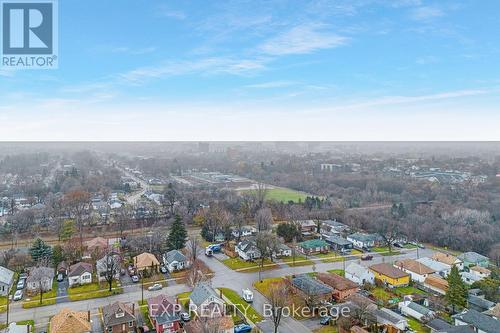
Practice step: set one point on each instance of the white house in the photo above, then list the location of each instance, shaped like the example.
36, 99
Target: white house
245, 231
387, 317
109, 263
438, 267
411, 309
203, 297
482, 323
6, 280
418, 271
359, 274
448, 259
247, 250
361, 240
283, 251
175, 261
481, 272
40, 277
80, 273
469, 278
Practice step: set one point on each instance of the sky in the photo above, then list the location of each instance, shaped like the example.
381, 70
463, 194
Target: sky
263, 70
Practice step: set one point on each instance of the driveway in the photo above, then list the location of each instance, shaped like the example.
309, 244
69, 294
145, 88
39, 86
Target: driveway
62, 291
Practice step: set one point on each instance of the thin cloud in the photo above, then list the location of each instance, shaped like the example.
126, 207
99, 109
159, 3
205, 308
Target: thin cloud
271, 84
302, 39
426, 13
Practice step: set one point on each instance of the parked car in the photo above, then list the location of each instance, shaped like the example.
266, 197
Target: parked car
135, 278
21, 284
23, 276
18, 295
367, 257
163, 269
155, 286
185, 316
398, 245
242, 328
247, 295
325, 320
60, 277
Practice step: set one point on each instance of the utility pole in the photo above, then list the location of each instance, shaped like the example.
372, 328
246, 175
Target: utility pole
8, 301
142, 289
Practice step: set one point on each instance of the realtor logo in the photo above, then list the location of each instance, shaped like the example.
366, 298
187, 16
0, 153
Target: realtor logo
29, 33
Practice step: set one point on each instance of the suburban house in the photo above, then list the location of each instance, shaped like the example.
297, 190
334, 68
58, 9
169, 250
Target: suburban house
411, 309
203, 296
40, 277
175, 260
108, 262
359, 274
69, 321
469, 278
283, 250
95, 246
119, 318
481, 322
418, 271
479, 303
307, 227
313, 246
224, 324
247, 250
448, 259
6, 280
436, 283
390, 275
244, 231
18, 328
480, 271
146, 261
342, 287
333, 227
62, 268
494, 312
339, 244
309, 286
474, 259
363, 241
163, 314
441, 326
438, 267
80, 273
391, 320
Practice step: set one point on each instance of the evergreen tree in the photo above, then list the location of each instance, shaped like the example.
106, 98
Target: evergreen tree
456, 295
40, 251
177, 237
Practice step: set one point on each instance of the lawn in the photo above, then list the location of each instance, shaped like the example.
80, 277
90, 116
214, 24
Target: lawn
263, 286
93, 290
283, 195
384, 250
329, 257
3, 304
326, 329
48, 298
246, 309
337, 271
403, 291
381, 294
184, 298
417, 326
143, 307
299, 261
238, 264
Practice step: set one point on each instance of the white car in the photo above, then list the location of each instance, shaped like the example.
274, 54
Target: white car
155, 286
247, 295
18, 295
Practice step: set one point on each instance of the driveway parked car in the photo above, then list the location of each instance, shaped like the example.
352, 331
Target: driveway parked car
135, 278
18, 295
155, 286
163, 269
21, 284
367, 257
185, 316
60, 277
242, 328
325, 320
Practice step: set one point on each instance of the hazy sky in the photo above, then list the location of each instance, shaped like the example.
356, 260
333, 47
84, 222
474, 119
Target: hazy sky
270, 70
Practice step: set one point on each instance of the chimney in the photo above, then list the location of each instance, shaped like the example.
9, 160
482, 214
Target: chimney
88, 316
133, 308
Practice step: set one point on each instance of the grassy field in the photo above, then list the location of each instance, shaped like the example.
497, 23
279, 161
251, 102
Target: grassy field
283, 195
329, 257
299, 261
93, 290
263, 286
384, 251
244, 308
337, 271
49, 298
238, 264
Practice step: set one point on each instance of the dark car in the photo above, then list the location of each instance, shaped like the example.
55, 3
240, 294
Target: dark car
367, 257
242, 328
325, 320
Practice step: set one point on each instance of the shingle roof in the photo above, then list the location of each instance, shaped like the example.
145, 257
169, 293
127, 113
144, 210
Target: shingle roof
435, 265
337, 240
414, 266
444, 258
336, 281
69, 321
80, 268
472, 257
480, 270
313, 243
436, 282
494, 312
117, 313
439, 324
389, 315
356, 270
419, 308
201, 293
362, 237
388, 270
175, 255
43, 271
479, 320
145, 260
310, 285
480, 302
6, 275
162, 309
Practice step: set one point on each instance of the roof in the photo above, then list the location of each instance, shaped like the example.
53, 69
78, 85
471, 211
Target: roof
175, 255
15, 328
80, 268
479, 320
162, 309
336, 281
494, 312
439, 324
117, 313
6, 275
389, 316
145, 260
69, 321
435, 265
472, 257
44, 271
414, 266
223, 323
247, 245
436, 282
307, 223
419, 308
362, 237
388, 270
310, 286
201, 293
480, 302
97, 242
337, 240
313, 243
102, 264
356, 270
480, 270
459, 329
444, 258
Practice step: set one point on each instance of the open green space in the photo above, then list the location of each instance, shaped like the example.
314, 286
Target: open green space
299, 261
246, 309
239, 264
381, 294
264, 286
416, 326
93, 290
283, 195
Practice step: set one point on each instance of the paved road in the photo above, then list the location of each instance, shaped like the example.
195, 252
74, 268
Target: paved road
132, 198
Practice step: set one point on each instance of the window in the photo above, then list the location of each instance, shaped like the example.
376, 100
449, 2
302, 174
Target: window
130, 324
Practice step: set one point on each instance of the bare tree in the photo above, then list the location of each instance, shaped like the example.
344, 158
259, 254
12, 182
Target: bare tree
112, 269
266, 244
261, 194
264, 219
193, 248
388, 229
278, 296
78, 204
41, 277
196, 275
170, 197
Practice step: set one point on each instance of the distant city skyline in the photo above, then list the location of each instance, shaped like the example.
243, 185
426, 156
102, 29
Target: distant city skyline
263, 70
